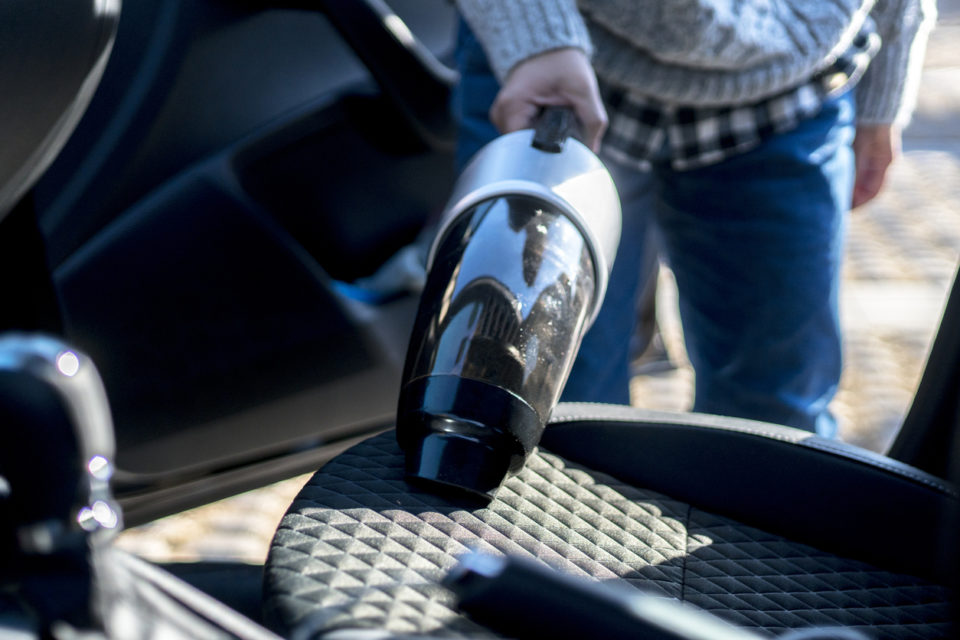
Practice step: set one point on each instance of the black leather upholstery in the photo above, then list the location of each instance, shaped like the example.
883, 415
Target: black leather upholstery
826, 493
361, 549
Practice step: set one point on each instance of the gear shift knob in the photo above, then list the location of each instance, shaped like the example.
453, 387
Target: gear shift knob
58, 459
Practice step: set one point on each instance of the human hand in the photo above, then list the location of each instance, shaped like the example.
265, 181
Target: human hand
875, 147
561, 77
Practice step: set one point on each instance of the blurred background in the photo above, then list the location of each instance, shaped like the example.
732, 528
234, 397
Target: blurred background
902, 254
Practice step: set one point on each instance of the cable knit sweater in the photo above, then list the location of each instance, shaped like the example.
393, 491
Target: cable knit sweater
715, 52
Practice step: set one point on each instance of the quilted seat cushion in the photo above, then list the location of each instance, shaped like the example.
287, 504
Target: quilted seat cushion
361, 548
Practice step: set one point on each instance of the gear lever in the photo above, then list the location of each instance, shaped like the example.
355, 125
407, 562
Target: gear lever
56, 460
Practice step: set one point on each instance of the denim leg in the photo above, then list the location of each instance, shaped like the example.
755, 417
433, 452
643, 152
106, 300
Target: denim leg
755, 243
472, 97
601, 372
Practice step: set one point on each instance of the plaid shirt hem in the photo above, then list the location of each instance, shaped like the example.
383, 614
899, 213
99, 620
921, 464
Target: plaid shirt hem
642, 130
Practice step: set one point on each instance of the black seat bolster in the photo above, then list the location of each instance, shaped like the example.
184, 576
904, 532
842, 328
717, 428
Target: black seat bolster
830, 495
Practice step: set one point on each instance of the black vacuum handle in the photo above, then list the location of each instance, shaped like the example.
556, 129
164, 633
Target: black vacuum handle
553, 126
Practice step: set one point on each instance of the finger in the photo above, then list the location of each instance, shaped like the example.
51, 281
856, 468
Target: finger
593, 120
875, 147
508, 114
869, 182
871, 171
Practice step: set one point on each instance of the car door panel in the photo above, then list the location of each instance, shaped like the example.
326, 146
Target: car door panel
203, 279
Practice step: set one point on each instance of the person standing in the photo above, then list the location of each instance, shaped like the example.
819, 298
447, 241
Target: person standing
739, 133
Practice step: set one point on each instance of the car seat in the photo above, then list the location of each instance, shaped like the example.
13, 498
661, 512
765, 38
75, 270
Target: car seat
768, 527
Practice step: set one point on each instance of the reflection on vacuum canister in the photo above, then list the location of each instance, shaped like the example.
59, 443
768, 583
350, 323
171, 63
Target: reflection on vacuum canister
517, 282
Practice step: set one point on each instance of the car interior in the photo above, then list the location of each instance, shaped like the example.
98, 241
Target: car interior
191, 193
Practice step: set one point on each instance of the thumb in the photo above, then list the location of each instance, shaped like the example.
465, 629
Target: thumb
515, 115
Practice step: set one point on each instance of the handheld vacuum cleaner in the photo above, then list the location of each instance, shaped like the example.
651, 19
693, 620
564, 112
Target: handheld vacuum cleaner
516, 274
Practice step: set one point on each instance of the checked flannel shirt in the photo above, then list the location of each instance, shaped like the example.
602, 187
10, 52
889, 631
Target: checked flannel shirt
642, 129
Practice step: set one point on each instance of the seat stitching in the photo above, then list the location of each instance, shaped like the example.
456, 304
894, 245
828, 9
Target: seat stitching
830, 447
818, 445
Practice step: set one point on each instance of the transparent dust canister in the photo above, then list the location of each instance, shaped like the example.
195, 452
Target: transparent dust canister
516, 275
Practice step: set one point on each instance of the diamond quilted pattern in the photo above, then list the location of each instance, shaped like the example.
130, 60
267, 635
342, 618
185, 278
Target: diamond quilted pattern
361, 548
759, 580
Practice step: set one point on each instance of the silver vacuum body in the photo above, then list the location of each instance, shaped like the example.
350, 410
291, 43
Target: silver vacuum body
517, 273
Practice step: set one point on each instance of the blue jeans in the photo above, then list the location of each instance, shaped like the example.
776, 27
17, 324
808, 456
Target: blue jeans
755, 243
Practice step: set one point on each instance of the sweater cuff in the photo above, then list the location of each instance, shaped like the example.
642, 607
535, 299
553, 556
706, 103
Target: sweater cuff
511, 31
887, 93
